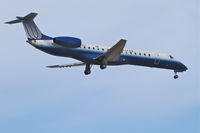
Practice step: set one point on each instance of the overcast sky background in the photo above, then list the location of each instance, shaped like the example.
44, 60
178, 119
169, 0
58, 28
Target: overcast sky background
120, 99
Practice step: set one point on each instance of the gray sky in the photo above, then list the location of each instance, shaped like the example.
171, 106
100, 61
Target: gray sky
119, 99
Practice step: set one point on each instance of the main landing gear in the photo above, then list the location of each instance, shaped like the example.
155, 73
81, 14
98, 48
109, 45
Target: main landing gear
103, 64
175, 76
89, 66
87, 69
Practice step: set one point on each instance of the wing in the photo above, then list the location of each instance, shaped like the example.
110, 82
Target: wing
67, 65
113, 53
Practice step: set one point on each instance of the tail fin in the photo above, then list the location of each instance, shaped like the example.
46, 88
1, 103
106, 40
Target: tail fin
31, 29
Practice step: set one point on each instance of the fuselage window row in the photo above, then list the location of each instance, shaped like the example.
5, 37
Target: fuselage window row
124, 51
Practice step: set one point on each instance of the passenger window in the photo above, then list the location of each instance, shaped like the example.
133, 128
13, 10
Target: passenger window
94, 48
144, 54
139, 53
149, 55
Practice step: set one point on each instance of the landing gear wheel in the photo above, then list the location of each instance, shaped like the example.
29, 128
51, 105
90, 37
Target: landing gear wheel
87, 72
103, 66
175, 76
87, 69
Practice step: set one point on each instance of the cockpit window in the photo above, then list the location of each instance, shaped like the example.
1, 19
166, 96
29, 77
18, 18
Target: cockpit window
171, 57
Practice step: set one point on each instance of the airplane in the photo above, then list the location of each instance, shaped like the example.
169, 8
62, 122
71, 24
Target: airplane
89, 55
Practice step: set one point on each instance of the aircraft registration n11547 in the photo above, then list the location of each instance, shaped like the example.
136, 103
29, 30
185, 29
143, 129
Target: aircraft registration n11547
94, 55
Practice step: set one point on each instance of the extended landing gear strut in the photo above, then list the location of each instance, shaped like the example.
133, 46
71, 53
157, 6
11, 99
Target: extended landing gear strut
175, 76
87, 69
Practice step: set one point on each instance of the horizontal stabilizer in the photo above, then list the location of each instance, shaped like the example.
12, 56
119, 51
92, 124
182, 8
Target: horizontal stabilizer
67, 65
13, 21
28, 17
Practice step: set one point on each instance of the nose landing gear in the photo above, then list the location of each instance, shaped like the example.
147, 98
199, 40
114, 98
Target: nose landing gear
175, 76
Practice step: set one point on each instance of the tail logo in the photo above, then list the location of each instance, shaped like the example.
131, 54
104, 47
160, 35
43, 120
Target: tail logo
32, 30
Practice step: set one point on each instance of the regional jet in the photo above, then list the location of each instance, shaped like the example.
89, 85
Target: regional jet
89, 55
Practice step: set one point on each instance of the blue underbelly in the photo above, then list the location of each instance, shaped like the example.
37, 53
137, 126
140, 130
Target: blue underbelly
88, 56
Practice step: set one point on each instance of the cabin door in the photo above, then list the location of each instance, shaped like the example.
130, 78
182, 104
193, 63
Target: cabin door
157, 59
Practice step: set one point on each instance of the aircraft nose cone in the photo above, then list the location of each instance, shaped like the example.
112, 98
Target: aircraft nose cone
180, 67
183, 67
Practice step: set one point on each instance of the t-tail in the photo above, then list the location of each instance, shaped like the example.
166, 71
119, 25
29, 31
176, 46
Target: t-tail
31, 29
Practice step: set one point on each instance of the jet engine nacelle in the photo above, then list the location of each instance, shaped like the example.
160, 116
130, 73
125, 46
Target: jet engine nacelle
69, 42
